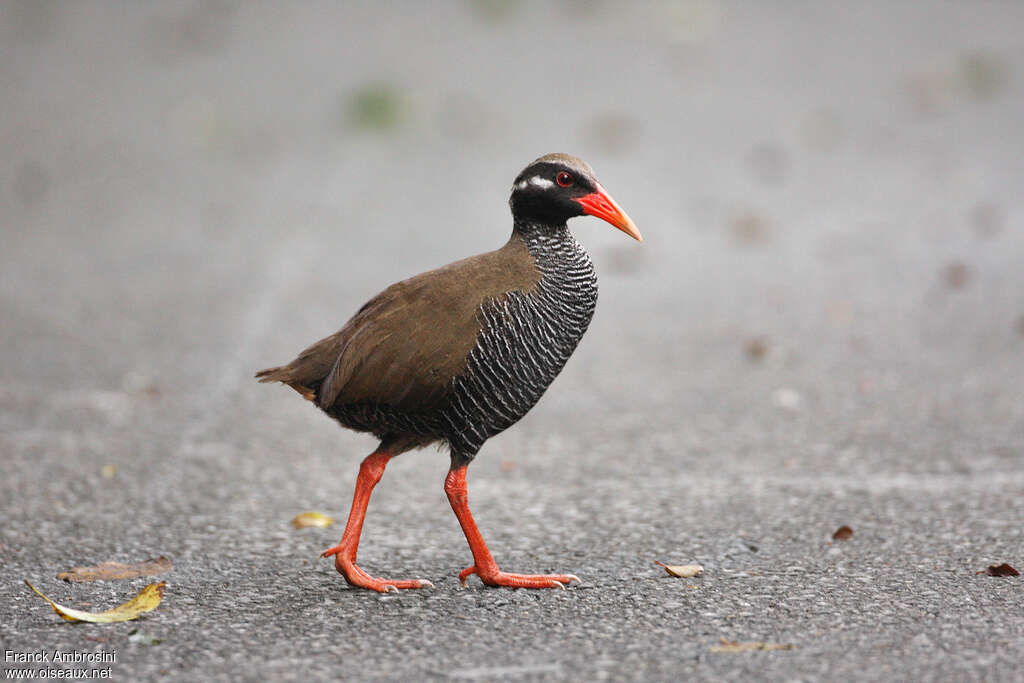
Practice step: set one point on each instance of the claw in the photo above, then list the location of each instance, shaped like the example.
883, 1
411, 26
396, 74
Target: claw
559, 584
573, 577
344, 562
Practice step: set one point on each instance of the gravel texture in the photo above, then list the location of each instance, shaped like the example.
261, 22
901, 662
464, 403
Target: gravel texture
824, 327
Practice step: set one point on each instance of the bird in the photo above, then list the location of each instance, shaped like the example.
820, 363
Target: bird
457, 355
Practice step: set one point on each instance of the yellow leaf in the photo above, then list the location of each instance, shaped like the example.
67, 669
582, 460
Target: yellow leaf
752, 646
146, 601
105, 571
683, 571
307, 519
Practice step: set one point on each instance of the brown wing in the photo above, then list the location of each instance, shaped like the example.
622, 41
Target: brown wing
405, 345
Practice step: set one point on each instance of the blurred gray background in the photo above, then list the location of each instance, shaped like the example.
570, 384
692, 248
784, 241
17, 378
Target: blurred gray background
824, 326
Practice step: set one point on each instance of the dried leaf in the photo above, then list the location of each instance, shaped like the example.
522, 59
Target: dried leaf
984, 75
683, 571
377, 106
751, 229
956, 274
314, 519
751, 646
146, 601
756, 348
107, 571
1000, 570
843, 533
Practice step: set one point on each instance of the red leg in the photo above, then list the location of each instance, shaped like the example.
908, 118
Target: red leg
370, 472
484, 565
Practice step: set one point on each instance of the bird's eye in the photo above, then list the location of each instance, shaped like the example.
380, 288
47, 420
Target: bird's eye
564, 179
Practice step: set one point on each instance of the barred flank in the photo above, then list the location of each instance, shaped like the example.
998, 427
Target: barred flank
525, 341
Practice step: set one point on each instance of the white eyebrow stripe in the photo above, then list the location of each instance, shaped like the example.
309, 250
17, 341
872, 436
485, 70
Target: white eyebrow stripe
536, 181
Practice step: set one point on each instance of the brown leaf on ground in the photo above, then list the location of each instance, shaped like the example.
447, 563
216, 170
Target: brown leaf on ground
146, 601
756, 348
956, 274
750, 229
108, 571
999, 570
312, 519
750, 646
843, 533
683, 571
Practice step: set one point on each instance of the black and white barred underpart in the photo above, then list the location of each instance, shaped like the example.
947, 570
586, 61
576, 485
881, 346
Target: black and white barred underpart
525, 341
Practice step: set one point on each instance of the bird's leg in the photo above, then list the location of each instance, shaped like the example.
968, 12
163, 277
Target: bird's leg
484, 565
370, 472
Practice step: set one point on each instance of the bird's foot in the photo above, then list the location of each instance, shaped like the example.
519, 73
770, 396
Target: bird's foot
494, 577
345, 563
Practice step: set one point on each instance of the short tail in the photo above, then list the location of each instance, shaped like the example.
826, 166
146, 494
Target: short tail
284, 374
278, 374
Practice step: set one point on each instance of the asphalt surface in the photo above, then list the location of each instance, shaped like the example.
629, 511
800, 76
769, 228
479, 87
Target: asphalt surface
824, 327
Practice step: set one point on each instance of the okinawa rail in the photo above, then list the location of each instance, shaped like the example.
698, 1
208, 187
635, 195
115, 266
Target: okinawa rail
459, 354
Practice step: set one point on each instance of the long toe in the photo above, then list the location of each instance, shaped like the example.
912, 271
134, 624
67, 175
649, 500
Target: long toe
387, 585
529, 580
357, 577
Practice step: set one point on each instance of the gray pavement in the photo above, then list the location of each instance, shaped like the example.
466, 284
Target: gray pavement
824, 326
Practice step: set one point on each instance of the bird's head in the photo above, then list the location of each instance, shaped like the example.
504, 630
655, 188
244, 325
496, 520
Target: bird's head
557, 187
